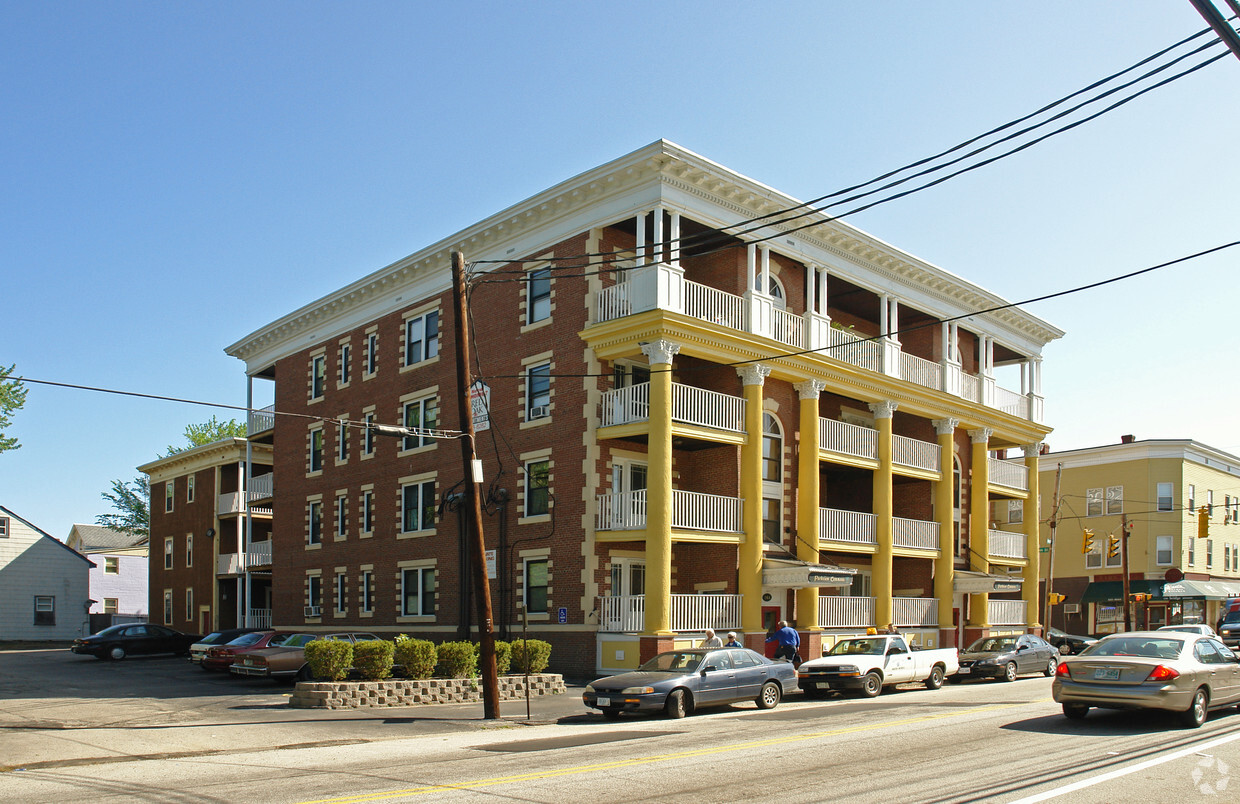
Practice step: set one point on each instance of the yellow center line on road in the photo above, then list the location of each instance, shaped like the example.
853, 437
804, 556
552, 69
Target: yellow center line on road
657, 758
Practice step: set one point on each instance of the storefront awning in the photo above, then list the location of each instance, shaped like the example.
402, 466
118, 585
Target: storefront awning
1113, 591
778, 573
968, 582
1202, 590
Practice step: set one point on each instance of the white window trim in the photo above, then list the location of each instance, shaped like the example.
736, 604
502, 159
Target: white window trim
421, 314
401, 569
527, 300
420, 481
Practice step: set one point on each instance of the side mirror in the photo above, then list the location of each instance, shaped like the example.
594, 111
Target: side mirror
710, 668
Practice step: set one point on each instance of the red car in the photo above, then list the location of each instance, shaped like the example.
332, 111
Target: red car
219, 657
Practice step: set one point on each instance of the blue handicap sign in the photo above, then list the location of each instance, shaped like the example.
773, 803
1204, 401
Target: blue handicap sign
563, 614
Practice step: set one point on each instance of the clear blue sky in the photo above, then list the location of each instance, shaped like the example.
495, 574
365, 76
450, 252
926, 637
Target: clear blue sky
176, 175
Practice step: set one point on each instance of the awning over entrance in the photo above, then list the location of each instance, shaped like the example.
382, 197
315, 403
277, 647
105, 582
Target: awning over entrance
799, 575
1108, 591
1202, 590
968, 582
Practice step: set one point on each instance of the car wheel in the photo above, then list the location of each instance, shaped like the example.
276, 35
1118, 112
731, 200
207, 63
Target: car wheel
769, 697
116, 653
1075, 711
1051, 667
611, 714
871, 685
677, 705
935, 679
1009, 672
1195, 714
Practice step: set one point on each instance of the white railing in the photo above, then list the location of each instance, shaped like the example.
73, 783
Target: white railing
231, 503
261, 420
625, 510
854, 349
1006, 544
849, 439
846, 526
692, 510
917, 454
622, 613
714, 305
261, 487
915, 533
970, 387
699, 612
1009, 473
1011, 402
921, 371
259, 554
1007, 612
789, 328
914, 611
614, 302
626, 405
259, 618
837, 611
699, 406
228, 564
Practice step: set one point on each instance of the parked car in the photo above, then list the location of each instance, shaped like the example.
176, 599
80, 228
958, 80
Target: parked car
199, 648
288, 660
1068, 643
867, 664
1174, 671
1006, 657
1229, 629
219, 657
680, 681
133, 639
1190, 628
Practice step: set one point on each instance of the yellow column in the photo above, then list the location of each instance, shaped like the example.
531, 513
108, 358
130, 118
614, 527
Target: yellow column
659, 490
883, 526
1031, 593
807, 499
979, 523
944, 509
749, 555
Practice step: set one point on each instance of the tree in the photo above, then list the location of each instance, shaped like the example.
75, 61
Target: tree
132, 502
196, 435
12, 398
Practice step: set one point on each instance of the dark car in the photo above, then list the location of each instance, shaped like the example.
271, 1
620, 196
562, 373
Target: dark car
1068, 643
135, 639
199, 648
1006, 657
1229, 630
220, 657
679, 681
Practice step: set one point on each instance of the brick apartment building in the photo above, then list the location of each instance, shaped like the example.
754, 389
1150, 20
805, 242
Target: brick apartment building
693, 422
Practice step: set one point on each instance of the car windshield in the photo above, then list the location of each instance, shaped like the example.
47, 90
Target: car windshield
674, 661
992, 645
211, 639
1231, 618
859, 647
298, 640
1151, 647
111, 630
246, 639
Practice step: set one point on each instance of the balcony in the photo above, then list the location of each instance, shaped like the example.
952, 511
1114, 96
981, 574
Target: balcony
1006, 544
1010, 474
663, 286
840, 611
692, 406
851, 527
262, 487
691, 510
626, 614
1007, 612
260, 421
259, 555
258, 618
231, 503
914, 454
917, 534
848, 439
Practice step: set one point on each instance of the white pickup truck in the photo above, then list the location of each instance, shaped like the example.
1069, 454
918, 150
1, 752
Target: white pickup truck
867, 664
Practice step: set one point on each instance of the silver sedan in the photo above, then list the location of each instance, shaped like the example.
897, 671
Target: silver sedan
1174, 671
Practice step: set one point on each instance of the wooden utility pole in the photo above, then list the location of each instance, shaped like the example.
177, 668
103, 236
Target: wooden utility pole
1047, 611
1211, 14
472, 510
1123, 552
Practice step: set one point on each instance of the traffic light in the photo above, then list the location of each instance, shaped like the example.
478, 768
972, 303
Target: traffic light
1203, 522
1113, 545
1054, 598
1139, 597
1087, 541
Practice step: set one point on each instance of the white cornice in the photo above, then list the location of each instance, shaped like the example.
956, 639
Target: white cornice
219, 453
1150, 449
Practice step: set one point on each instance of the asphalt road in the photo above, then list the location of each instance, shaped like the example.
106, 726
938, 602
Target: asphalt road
986, 741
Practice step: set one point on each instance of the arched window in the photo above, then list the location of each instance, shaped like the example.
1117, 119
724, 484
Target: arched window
776, 290
957, 496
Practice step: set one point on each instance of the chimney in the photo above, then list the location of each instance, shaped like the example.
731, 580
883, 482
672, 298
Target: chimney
1127, 439
1045, 450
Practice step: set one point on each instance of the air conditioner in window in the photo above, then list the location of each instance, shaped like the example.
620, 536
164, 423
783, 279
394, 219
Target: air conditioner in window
540, 411
314, 611
1071, 608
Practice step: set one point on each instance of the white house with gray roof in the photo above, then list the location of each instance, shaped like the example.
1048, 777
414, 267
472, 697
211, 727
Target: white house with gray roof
44, 584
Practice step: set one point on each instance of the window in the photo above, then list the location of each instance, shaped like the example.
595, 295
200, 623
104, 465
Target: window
417, 506
420, 413
111, 565
318, 376
342, 518
167, 607
372, 352
44, 610
168, 553
189, 605
189, 549
421, 338
772, 450
4, 527
417, 592
1210, 503
771, 520
538, 392
314, 514
344, 364
368, 439
537, 491
314, 591
1192, 552
1192, 497
342, 442
316, 449
1015, 512
1093, 559
1166, 497
536, 586
169, 492
1226, 557
189, 489
539, 295
1209, 553
1162, 553
340, 590
368, 591
368, 511
111, 605
1115, 499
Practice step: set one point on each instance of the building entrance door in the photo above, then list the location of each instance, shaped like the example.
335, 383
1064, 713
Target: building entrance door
771, 615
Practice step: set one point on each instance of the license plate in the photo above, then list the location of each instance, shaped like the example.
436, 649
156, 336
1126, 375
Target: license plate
1106, 674
964, 671
603, 701
822, 685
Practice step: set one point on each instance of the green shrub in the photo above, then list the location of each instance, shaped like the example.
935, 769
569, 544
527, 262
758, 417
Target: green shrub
372, 659
458, 659
417, 656
329, 659
532, 655
503, 656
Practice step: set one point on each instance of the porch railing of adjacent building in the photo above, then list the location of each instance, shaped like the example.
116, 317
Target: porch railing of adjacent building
919, 534
909, 612
1009, 473
843, 611
262, 487
855, 527
627, 613
1007, 544
261, 420
232, 502
691, 510
260, 618
1007, 612
259, 555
